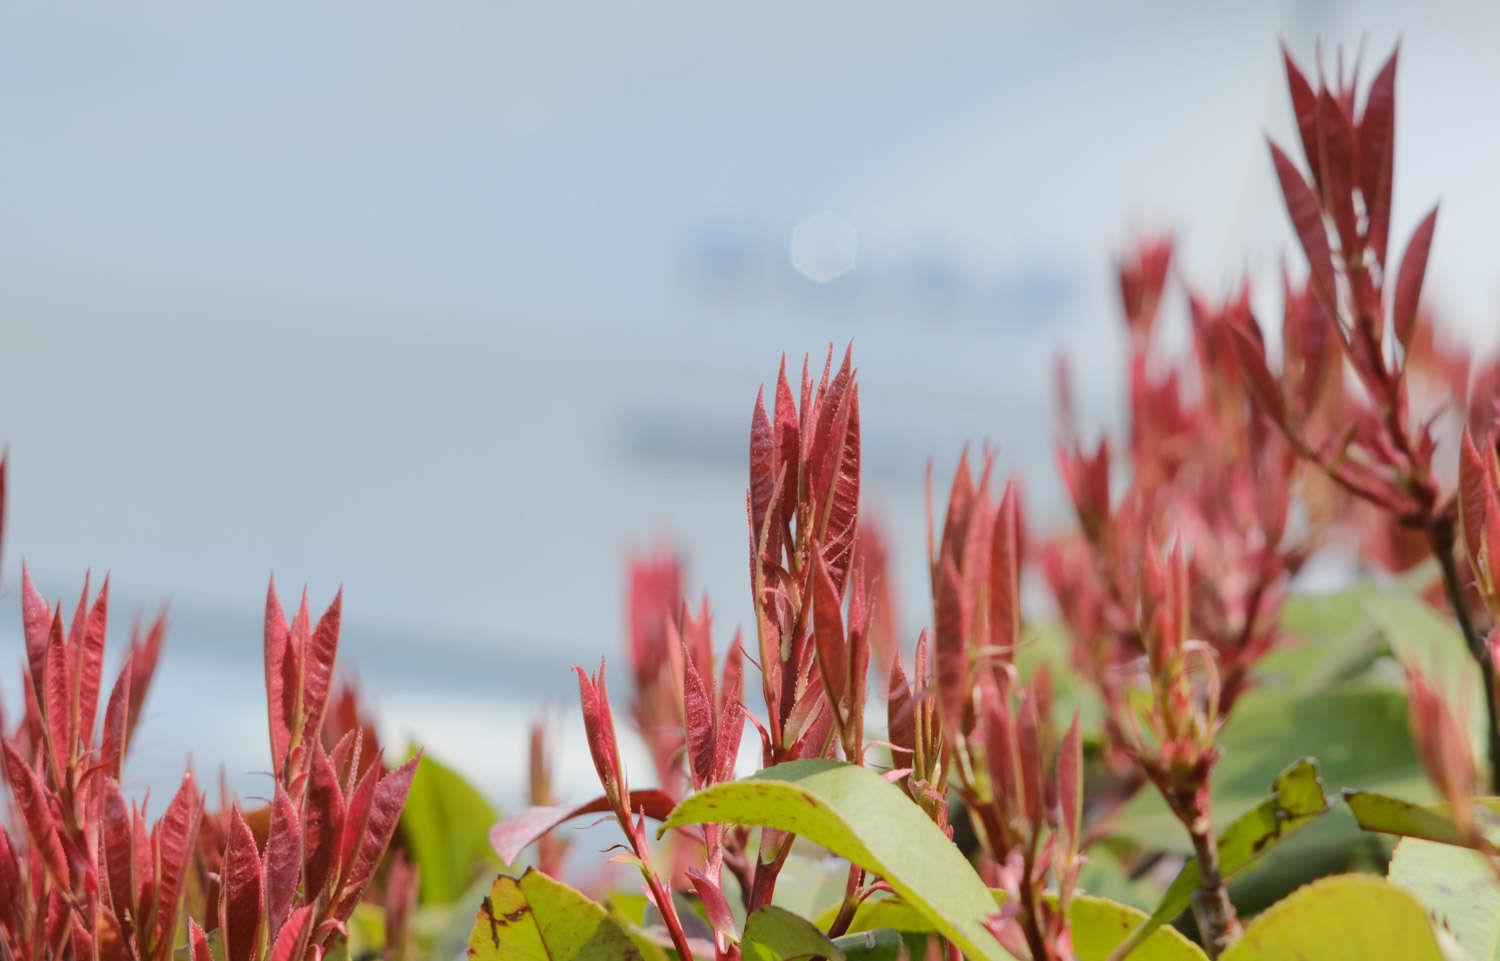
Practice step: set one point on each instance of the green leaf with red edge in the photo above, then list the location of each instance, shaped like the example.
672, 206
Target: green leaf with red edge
536, 918
858, 815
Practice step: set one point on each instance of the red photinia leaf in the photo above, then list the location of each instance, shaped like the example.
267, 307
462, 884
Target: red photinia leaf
36, 813
788, 445
322, 816
56, 703
762, 477
1409, 279
241, 905
698, 720
901, 721
36, 622
841, 482
83, 942
385, 813
291, 941
1336, 143
599, 727
1070, 786
1377, 139
731, 722
1005, 575
283, 858
956, 525
1307, 219
198, 943
322, 651
1473, 495
828, 638
356, 816
1029, 752
145, 651
514, 834
950, 648
115, 844
116, 718
1250, 352
144, 864
172, 840
88, 667
279, 707
11, 881
1305, 111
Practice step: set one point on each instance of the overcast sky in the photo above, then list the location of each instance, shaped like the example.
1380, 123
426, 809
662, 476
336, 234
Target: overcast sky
451, 302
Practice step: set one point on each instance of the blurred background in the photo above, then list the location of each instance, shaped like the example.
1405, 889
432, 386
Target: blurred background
451, 303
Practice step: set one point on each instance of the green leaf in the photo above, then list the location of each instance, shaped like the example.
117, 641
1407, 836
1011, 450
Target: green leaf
1458, 888
859, 816
1384, 814
1330, 640
774, 934
884, 945
1388, 815
1099, 926
1349, 917
535, 918
1296, 798
446, 825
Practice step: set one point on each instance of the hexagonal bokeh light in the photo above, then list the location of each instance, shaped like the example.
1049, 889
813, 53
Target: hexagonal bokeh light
824, 246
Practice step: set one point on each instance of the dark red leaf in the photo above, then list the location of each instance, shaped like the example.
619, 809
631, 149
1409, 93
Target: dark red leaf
1304, 110
31, 798
57, 705
317, 667
145, 651
36, 623
291, 942
279, 705
1409, 279
116, 720
172, 839
1307, 219
283, 859
198, 942
241, 905
322, 816
698, 720
1377, 140
88, 666
115, 844
385, 814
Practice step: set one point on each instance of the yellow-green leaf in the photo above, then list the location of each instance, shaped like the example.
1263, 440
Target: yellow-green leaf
1100, 925
1349, 917
858, 815
1458, 888
536, 918
1296, 798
